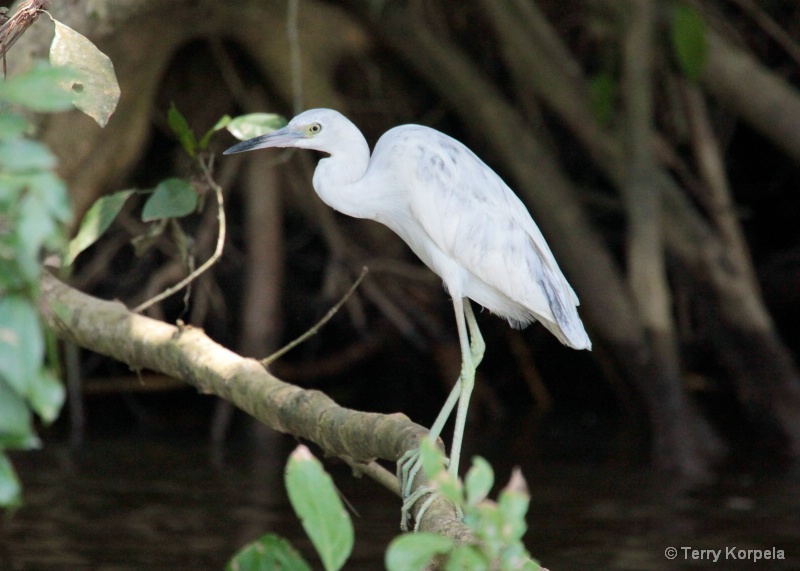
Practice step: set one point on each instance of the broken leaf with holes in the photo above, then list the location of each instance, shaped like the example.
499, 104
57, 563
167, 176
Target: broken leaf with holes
94, 88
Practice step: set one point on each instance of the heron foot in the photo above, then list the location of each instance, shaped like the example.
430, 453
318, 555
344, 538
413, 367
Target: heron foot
408, 466
409, 502
420, 493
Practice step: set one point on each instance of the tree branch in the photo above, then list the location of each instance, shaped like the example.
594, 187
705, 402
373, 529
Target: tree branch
745, 87
186, 353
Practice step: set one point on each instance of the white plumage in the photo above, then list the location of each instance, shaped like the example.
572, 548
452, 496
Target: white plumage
459, 218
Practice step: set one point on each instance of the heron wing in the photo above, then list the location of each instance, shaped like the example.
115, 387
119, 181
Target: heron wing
475, 219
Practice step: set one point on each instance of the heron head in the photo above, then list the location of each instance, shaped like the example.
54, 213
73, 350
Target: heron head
317, 129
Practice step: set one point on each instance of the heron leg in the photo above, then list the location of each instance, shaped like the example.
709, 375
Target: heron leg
408, 465
477, 345
472, 350
465, 318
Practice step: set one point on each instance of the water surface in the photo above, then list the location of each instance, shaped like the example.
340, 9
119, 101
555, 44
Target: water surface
149, 503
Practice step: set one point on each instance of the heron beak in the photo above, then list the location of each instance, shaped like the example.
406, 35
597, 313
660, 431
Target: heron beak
285, 137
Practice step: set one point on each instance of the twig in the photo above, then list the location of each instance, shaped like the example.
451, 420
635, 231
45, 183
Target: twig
208, 263
159, 280
13, 28
318, 325
375, 471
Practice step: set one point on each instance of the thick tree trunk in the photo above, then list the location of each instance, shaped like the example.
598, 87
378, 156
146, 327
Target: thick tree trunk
647, 276
759, 367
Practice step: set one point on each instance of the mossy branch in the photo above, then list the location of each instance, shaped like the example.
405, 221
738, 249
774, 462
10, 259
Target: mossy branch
187, 353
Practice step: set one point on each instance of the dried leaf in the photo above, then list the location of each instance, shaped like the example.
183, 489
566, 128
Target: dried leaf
95, 90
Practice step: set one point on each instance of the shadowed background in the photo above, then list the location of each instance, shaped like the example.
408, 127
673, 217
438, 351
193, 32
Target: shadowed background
656, 146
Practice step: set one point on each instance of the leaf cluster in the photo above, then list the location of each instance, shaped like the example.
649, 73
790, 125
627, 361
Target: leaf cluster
34, 209
172, 198
498, 526
316, 502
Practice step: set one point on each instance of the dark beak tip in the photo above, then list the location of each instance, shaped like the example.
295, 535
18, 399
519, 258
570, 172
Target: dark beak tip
237, 148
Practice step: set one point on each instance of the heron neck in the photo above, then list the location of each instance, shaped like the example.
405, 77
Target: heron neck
337, 179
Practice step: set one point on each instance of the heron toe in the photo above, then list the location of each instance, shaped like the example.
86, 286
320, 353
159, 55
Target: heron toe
408, 467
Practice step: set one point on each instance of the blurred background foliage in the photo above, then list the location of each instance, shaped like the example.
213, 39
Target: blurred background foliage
656, 144
666, 194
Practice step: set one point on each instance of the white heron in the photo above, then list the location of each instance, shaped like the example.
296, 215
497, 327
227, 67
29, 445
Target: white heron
459, 218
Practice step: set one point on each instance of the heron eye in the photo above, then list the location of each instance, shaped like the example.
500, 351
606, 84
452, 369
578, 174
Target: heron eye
314, 128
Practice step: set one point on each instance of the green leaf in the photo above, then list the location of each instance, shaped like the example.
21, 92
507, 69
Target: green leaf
172, 198
431, 457
268, 553
54, 192
689, 41
179, 125
478, 481
530, 564
221, 124
35, 226
10, 489
467, 558
450, 487
46, 395
16, 420
413, 551
10, 275
93, 85
252, 125
21, 342
603, 92
20, 155
96, 221
12, 125
12, 186
513, 505
516, 557
313, 497
39, 89
487, 523
51, 191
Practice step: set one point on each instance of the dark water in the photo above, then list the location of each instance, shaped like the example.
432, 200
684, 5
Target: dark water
154, 504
